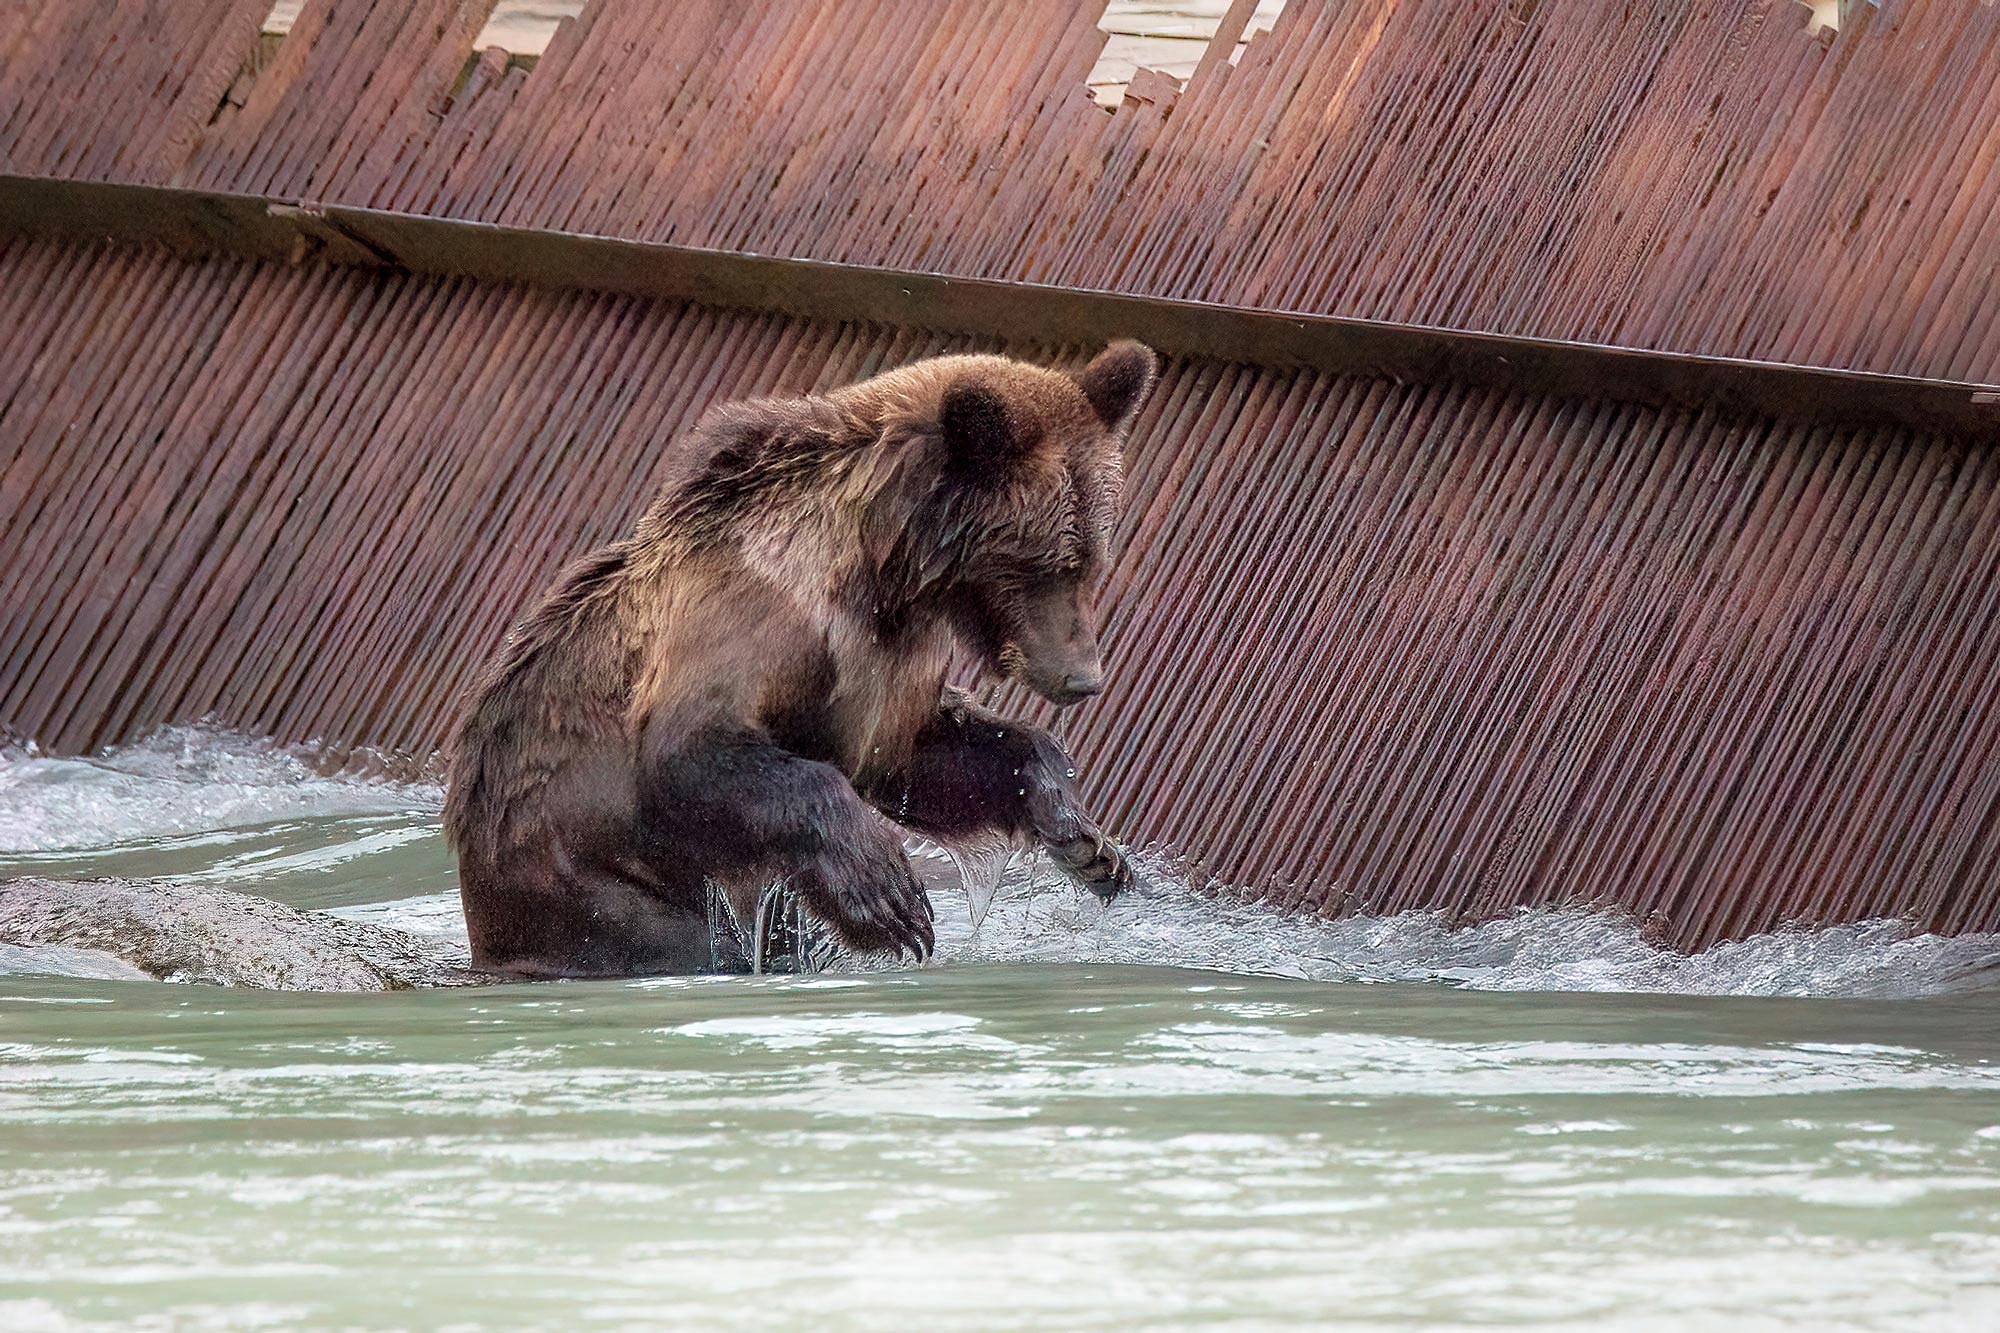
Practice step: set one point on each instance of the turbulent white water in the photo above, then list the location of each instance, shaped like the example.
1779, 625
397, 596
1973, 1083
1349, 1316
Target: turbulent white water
1149, 1116
194, 805
182, 782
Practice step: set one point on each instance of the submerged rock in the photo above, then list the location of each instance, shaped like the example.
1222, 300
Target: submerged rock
182, 932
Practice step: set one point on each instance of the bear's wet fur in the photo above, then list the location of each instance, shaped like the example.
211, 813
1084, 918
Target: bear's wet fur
750, 689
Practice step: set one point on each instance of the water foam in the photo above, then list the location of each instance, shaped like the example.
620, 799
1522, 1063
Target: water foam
1033, 916
187, 783
180, 782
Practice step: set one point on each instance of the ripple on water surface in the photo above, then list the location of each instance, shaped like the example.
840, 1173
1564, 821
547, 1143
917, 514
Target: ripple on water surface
1044, 1140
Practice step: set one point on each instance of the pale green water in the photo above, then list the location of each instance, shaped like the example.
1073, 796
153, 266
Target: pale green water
1008, 1139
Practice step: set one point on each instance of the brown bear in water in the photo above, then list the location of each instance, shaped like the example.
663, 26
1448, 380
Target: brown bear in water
750, 688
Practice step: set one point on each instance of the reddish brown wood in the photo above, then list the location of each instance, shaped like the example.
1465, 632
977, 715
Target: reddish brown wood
1374, 645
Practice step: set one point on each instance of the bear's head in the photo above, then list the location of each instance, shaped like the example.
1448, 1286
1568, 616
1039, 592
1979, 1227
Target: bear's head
1006, 521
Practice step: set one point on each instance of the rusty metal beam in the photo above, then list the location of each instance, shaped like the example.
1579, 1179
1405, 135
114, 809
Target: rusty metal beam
197, 223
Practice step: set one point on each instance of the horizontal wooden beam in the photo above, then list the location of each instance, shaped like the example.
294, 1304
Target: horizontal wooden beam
198, 223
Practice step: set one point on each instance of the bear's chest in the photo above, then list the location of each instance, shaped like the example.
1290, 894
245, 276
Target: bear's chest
856, 705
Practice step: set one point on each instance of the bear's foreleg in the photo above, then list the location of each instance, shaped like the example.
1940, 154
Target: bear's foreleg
729, 801
974, 772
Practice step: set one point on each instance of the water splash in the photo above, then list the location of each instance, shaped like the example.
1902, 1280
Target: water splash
179, 782
1035, 916
178, 796
980, 868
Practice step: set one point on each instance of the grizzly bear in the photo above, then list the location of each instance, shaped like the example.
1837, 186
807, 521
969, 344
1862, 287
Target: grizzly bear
750, 689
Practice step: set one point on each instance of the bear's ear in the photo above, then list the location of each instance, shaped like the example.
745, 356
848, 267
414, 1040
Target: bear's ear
1117, 382
978, 434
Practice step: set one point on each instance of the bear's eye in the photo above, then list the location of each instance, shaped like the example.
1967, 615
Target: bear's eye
1022, 572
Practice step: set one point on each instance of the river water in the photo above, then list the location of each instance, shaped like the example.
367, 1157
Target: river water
1169, 1115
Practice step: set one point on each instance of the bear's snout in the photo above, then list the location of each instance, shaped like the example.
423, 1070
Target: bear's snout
1065, 683
1054, 645
1077, 686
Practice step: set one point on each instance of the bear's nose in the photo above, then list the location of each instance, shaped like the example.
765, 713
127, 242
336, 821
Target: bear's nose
1083, 684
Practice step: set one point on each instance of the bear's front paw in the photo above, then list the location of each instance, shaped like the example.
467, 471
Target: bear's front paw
1094, 861
873, 901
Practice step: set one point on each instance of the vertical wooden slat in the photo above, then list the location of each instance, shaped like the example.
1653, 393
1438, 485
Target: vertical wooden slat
1374, 645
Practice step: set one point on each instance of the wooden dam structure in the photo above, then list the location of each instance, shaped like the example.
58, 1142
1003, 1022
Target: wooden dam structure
1574, 481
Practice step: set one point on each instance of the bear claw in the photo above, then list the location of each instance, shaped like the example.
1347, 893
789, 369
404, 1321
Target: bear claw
883, 916
1095, 862
894, 928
